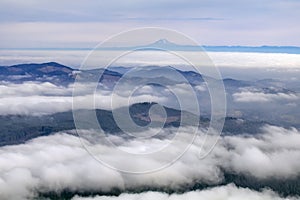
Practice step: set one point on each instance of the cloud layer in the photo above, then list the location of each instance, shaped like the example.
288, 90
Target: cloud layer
36, 98
33, 98
220, 59
263, 97
227, 192
58, 162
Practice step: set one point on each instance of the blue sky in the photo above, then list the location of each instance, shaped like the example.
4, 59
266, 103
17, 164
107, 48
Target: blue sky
81, 23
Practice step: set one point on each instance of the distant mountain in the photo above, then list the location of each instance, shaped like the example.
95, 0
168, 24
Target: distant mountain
167, 45
253, 49
21, 128
51, 68
51, 72
164, 72
62, 75
232, 83
16, 129
167, 75
163, 43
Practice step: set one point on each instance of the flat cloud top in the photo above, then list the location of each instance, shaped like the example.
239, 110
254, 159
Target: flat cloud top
220, 59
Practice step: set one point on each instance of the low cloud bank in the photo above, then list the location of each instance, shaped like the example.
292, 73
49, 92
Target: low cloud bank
33, 98
220, 59
227, 192
248, 96
59, 162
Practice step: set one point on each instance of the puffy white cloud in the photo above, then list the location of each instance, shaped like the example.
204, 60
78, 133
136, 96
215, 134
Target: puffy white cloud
33, 98
51, 163
33, 88
249, 96
59, 162
41, 98
42, 105
227, 192
273, 154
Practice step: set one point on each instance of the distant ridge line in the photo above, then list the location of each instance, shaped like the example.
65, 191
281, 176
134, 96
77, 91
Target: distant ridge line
164, 43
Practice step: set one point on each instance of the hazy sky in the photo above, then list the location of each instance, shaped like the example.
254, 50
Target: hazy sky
81, 23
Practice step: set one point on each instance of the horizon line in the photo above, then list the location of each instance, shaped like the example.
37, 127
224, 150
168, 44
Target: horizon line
208, 48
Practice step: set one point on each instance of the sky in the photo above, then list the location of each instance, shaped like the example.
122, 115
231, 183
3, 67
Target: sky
83, 24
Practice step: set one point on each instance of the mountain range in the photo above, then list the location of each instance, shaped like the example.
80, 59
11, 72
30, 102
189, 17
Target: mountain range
63, 75
169, 45
19, 128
